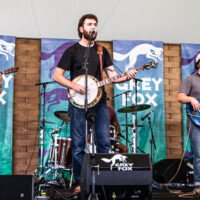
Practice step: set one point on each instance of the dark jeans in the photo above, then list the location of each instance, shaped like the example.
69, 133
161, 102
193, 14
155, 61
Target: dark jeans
195, 146
77, 130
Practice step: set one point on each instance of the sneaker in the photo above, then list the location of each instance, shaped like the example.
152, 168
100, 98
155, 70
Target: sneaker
77, 190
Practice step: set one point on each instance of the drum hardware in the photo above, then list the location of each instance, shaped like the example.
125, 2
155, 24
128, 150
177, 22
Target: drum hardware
131, 143
63, 115
130, 109
131, 125
110, 98
59, 158
126, 94
134, 108
46, 122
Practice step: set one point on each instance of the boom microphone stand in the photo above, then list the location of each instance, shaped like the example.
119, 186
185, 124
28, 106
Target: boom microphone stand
152, 140
42, 137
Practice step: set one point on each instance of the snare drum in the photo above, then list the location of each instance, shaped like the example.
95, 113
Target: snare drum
64, 153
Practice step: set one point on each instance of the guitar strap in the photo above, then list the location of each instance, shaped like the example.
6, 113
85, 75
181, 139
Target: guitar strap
100, 52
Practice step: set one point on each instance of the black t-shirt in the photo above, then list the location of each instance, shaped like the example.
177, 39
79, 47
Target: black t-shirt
73, 58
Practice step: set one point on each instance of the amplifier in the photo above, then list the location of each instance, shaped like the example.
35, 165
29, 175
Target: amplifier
16, 187
126, 176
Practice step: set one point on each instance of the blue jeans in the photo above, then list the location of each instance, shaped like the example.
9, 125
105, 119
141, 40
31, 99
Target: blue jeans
195, 146
77, 131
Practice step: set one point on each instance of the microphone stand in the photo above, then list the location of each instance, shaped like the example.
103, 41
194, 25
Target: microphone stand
152, 140
43, 126
93, 195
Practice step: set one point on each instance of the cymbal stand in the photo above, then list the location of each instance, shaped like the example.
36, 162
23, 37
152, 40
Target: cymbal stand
134, 129
126, 94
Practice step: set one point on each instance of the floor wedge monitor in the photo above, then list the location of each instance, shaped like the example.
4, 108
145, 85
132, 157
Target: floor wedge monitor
124, 176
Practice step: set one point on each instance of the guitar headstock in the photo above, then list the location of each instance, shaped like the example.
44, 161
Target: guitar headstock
150, 65
9, 70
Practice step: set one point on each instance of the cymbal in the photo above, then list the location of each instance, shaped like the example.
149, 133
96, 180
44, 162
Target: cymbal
131, 125
63, 115
129, 109
45, 121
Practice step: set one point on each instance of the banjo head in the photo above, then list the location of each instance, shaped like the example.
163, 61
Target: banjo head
94, 93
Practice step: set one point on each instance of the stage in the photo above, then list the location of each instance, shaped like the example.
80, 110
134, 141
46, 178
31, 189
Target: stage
157, 194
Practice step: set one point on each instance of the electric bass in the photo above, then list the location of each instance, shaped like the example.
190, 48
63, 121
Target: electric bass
193, 114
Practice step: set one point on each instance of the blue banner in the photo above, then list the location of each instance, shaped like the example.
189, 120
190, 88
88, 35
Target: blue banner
7, 59
150, 91
54, 95
188, 56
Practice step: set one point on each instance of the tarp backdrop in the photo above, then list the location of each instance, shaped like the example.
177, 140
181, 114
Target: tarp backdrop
7, 59
56, 98
150, 91
188, 56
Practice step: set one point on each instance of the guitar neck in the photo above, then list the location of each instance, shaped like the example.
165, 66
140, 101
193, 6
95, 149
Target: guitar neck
9, 70
114, 78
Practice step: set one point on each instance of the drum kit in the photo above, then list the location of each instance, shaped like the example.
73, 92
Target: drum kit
60, 157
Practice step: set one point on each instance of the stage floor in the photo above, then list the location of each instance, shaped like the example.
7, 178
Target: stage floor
58, 193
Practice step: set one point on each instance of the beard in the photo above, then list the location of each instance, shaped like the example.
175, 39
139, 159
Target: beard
87, 35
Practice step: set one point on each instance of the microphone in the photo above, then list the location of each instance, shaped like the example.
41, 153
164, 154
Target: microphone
92, 32
146, 115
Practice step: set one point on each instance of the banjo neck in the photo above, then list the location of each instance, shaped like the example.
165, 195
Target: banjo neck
114, 78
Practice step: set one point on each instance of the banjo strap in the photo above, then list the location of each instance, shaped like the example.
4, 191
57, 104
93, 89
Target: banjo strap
100, 52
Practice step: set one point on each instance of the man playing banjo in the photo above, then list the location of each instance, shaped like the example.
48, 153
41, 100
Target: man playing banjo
72, 60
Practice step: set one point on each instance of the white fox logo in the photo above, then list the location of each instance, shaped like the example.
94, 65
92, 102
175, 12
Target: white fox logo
6, 48
113, 160
143, 49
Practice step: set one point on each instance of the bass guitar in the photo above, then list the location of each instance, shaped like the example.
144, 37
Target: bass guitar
94, 87
193, 114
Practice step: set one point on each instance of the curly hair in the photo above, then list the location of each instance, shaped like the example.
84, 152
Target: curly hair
82, 19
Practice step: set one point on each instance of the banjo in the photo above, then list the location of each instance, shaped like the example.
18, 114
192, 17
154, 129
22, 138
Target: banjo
94, 87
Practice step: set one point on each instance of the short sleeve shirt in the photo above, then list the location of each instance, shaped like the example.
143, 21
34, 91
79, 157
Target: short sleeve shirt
191, 86
73, 58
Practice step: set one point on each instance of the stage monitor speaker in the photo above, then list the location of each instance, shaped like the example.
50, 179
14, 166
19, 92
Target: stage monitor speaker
126, 176
165, 169
16, 187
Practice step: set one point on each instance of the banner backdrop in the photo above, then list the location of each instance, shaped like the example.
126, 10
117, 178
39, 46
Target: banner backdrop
7, 58
188, 56
150, 91
56, 98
